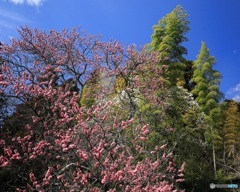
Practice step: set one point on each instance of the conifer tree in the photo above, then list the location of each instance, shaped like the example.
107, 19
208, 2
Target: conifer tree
167, 39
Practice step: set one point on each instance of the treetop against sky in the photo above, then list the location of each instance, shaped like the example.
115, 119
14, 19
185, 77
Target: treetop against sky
131, 22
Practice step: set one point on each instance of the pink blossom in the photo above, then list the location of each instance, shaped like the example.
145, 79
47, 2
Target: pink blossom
2, 142
104, 179
182, 167
28, 127
59, 177
49, 172
164, 157
82, 144
8, 151
4, 164
180, 180
4, 83
163, 146
32, 177
142, 138
16, 156
84, 155
72, 146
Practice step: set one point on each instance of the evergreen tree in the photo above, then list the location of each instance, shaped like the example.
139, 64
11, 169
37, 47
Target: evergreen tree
167, 39
207, 80
207, 93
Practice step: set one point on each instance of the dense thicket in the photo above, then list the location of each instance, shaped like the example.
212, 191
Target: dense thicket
204, 130
95, 116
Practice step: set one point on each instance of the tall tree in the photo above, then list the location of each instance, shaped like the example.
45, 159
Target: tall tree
230, 127
227, 152
207, 80
207, 93
167, 39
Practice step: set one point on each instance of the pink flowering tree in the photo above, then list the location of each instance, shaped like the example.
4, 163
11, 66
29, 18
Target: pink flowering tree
52, 143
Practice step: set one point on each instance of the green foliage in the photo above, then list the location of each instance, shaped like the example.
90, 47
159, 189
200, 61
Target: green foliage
168, 36
207, 80
119, 84
87, 98
230, 127
90, 89
206, 91
223, 177
198, 174
169, 33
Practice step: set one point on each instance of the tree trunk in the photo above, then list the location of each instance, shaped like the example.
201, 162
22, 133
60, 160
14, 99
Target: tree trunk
224, 154
214, 156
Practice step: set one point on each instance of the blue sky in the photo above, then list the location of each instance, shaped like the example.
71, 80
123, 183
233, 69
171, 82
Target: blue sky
130, 21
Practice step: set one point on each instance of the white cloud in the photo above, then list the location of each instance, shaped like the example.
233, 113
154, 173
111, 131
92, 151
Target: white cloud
6, 24
12, 16
234, 93
236, 98
11, 20
234, 90
17, 1
237, 88
30, 2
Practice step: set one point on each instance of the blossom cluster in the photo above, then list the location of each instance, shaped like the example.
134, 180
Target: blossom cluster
72, 147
